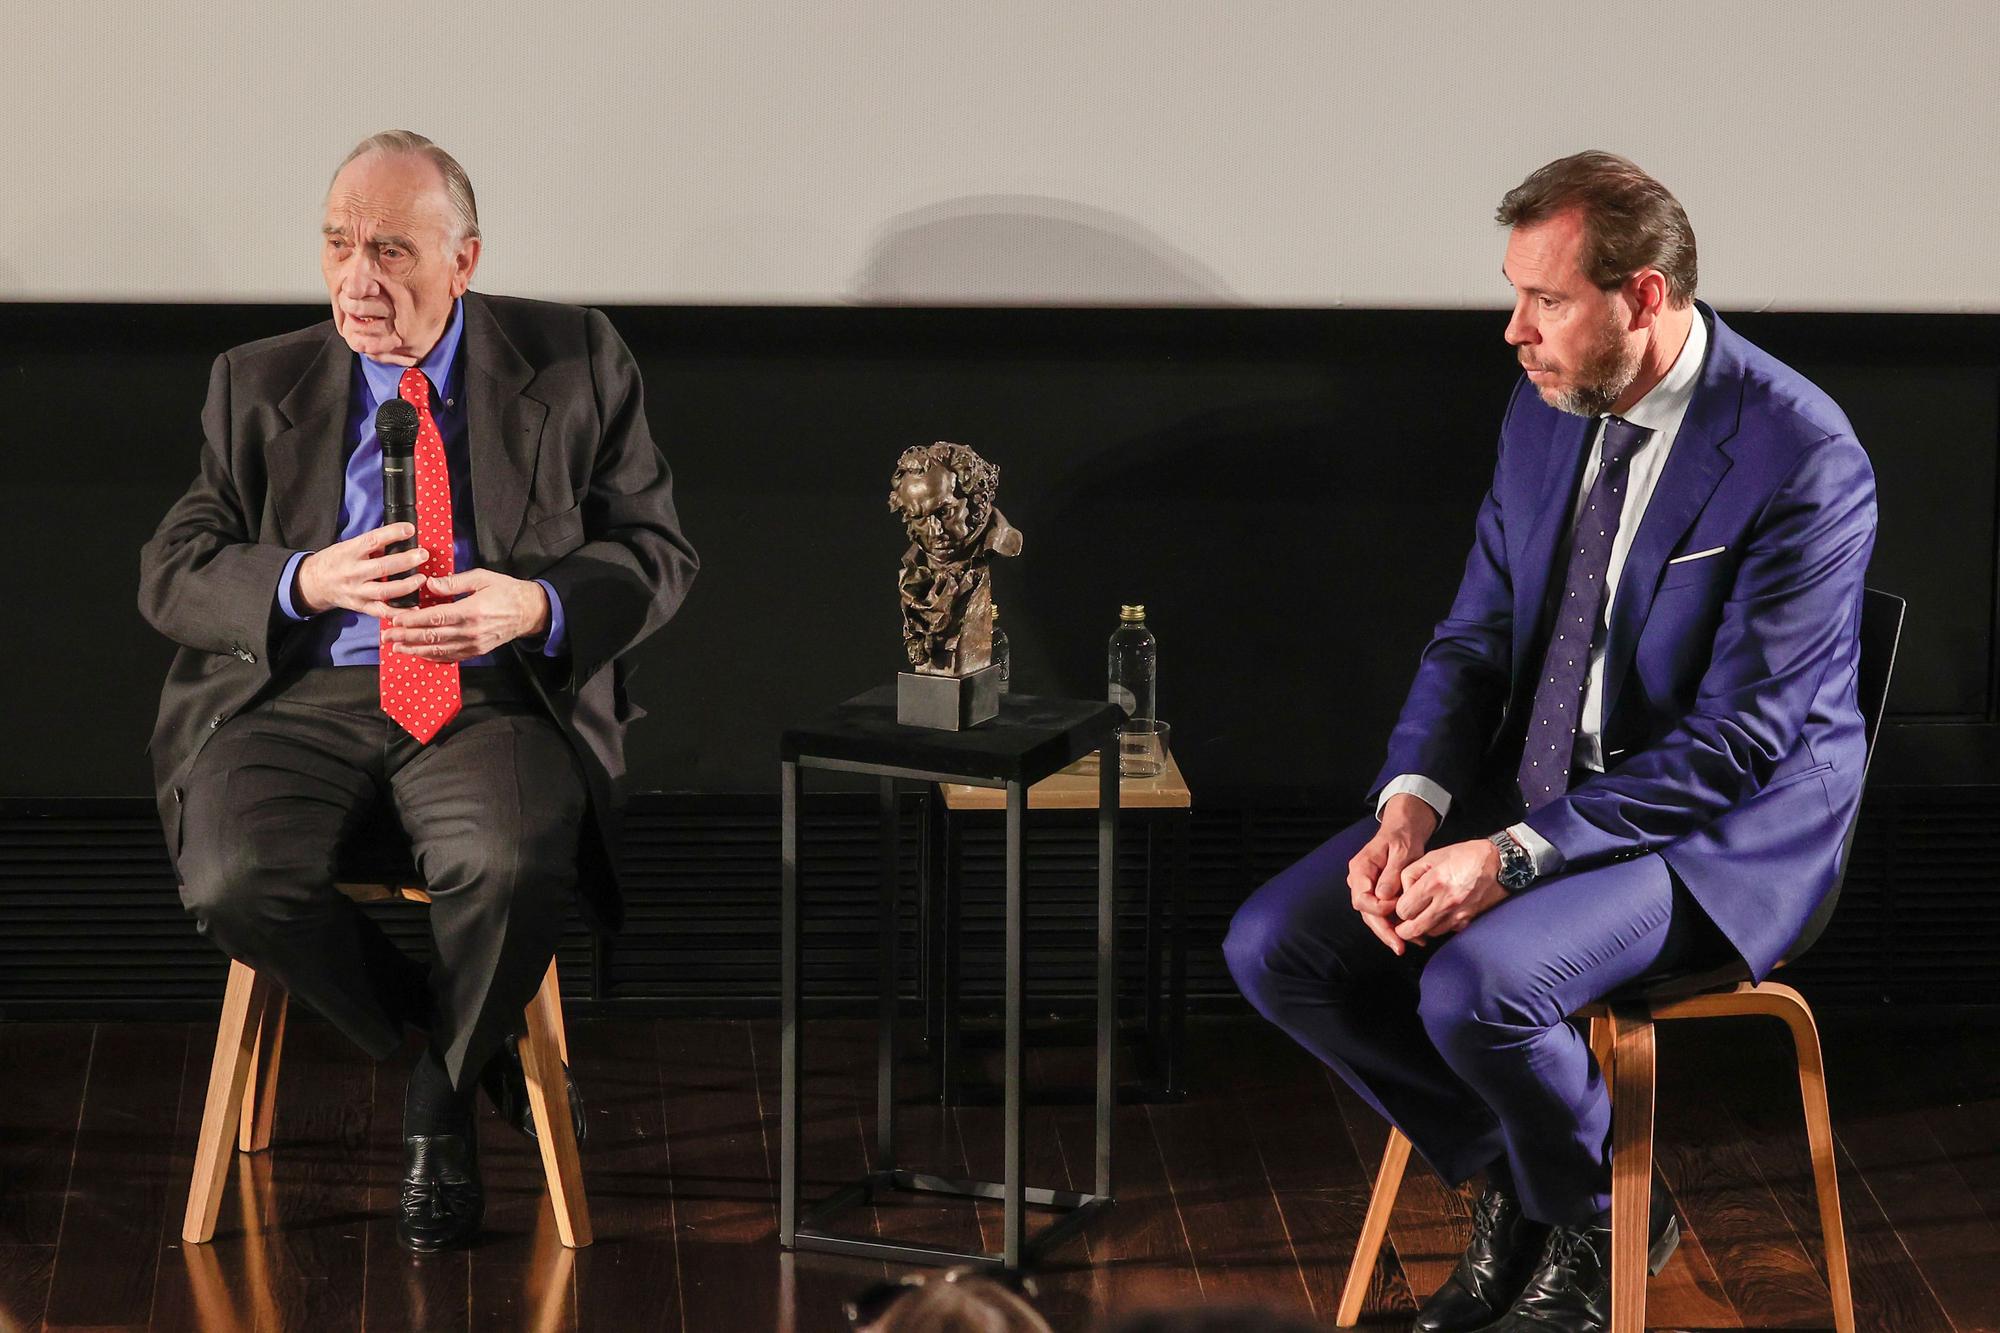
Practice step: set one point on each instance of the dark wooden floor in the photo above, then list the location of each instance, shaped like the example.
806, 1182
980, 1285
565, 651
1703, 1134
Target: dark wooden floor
1252, 1190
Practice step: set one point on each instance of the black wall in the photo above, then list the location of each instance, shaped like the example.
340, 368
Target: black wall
1289, 492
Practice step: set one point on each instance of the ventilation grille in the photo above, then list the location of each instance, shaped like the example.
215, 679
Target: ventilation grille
91, 924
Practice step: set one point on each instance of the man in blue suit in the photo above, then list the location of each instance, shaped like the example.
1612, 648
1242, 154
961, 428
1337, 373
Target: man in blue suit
1632, 747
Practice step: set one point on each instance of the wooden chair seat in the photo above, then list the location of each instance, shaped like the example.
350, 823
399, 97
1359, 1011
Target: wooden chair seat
243, 1087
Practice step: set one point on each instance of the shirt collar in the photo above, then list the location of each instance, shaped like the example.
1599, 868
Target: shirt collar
1666, 402
383, 380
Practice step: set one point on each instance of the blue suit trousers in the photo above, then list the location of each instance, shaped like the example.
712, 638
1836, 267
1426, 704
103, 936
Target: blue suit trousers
1463, 1044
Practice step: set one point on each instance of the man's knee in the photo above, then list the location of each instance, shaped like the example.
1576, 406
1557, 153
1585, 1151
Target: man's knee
218, 886
1477, 989
1248, 950
252, 853
1300, 929
520, 867
234, 889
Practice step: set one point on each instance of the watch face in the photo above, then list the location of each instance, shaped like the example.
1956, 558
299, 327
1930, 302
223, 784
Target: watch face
1517, 869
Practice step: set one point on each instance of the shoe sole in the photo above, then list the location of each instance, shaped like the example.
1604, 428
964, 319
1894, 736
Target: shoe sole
437, 1246
1663, 1248
526, 1128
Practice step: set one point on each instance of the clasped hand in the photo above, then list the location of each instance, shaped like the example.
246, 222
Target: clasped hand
1406, 895
490, 608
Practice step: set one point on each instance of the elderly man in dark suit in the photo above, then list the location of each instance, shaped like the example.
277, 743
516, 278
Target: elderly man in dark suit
490, 714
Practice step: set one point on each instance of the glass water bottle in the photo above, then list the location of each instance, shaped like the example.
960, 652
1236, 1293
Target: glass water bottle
1133, 654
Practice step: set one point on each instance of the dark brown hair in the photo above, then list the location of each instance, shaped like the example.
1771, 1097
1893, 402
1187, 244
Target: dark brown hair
1630, 221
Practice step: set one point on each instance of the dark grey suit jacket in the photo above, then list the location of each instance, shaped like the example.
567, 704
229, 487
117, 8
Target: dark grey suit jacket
567, 485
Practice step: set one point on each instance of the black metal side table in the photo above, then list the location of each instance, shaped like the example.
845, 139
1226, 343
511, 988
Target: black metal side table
1031, 739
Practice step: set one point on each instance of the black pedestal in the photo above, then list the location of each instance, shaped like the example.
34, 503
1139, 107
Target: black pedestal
949, 703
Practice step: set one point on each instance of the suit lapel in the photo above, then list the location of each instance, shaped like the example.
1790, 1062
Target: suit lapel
307, 460
503, 430
1694, 469
1540, 557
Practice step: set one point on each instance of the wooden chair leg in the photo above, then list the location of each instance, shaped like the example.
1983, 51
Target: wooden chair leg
1381, 1203
1819, 1138
260, 1088
1631, 1165
1776, 1000
228, 1073
1600, 1044
548, 1099
554, 983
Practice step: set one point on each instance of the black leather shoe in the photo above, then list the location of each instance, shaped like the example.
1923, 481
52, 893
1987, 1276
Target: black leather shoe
443, 1200
1492, 1271
506, 1085
1570, 1291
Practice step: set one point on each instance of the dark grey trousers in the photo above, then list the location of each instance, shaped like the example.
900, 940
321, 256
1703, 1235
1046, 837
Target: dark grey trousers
493, 807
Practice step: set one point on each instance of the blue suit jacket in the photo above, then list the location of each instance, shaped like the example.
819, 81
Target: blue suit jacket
1732, 739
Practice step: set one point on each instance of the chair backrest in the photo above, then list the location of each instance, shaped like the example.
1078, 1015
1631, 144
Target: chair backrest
1881, 630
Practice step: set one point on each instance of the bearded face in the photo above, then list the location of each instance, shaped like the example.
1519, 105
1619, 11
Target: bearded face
1603, 368
1576, 340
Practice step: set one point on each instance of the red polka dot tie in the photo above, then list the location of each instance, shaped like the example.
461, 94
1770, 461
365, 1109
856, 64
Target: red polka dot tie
422, 696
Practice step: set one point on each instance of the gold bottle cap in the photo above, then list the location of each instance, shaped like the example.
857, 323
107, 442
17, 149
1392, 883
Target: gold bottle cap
1131, 613
996, 611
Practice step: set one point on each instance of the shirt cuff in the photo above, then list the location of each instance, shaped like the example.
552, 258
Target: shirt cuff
285, 584
1415, 784
557, 641
1539, 849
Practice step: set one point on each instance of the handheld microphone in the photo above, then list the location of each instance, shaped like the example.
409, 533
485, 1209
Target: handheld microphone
396, 430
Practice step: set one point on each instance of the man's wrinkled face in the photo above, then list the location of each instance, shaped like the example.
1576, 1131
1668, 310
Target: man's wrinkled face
392, 255
933, 510
1573, 338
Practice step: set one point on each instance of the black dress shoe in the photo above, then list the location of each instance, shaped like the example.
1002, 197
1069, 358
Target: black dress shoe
443, 1200
1492, 1271
506, 1085
1570, 1291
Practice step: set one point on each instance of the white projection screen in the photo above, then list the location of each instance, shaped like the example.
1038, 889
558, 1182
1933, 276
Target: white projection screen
1837, 155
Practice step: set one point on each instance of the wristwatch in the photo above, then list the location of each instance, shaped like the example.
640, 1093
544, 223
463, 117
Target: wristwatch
1517, 868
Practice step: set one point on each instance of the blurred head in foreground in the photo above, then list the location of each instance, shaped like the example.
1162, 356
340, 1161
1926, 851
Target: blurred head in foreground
961, 1300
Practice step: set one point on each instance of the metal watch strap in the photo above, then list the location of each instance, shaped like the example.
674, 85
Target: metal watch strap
1517, 867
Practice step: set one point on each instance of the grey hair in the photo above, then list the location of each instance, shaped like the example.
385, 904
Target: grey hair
457, 185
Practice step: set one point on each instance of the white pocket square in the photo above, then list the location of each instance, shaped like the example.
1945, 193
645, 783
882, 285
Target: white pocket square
1698, 555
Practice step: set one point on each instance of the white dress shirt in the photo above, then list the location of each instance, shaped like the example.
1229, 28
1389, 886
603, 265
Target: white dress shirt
1661, 411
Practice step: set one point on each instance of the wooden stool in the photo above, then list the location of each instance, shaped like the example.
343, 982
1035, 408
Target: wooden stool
243, 1088
1621, 1036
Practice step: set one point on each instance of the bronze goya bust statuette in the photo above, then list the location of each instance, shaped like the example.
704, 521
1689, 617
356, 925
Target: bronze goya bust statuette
944, 494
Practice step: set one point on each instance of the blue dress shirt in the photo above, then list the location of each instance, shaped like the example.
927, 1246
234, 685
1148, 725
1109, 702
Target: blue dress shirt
348, 638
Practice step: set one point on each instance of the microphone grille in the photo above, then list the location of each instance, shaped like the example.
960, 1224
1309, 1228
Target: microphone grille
396, 427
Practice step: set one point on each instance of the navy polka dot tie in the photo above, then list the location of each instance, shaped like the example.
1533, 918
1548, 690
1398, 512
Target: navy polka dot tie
1552, 722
